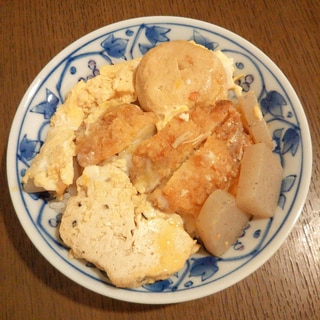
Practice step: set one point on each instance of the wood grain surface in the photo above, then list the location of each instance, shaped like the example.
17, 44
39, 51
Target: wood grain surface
288, 285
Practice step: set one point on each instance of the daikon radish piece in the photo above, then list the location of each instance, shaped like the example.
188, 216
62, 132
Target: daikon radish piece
259, 181
30, 187
220, 222
254, 121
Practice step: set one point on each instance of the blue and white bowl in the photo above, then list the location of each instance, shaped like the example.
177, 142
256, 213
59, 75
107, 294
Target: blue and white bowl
202, 274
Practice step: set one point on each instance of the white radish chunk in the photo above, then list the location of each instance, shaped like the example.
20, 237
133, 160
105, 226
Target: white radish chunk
254, 121
259, 182
220, 222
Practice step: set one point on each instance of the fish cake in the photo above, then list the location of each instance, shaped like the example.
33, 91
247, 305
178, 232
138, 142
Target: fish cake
179, 73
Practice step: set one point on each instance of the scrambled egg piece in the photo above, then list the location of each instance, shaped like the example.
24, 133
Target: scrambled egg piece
114, 85
52, 169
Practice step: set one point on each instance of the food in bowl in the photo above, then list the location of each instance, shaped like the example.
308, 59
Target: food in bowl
142, 168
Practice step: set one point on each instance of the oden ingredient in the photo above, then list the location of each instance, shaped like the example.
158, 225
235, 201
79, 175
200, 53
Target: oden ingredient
179, 73
220, 221
253, 119
259, 182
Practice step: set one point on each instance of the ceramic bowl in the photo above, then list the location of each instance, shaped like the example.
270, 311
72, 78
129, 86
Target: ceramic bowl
202, 274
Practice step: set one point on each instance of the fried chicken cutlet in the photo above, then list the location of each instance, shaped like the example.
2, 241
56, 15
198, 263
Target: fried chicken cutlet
158, 157
112, 132
213, 166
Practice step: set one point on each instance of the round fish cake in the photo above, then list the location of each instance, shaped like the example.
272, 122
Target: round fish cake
179, 73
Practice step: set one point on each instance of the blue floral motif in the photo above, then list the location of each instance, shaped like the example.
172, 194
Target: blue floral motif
246, 82
291, 140
144, 48
273, 103
286, 139
204, 267
200, 39
238, 245
257, 233
55, 222
159, 286
47, 107
239, 65
92, 65
244, 230
69, 68
115, 47
286, 185
288, 182
29, 148
129, 32
156, 34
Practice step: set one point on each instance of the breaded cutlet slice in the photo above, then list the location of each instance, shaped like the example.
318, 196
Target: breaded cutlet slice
120, 232
112, 132
214, 166
156, 158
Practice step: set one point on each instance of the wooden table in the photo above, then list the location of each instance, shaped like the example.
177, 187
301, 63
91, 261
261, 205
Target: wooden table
288, 285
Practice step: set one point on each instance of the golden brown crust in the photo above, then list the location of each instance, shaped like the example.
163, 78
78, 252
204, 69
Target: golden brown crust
213, 166
158, 157
112, 132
